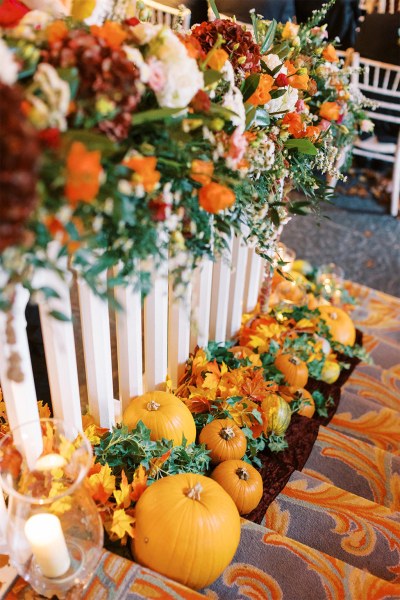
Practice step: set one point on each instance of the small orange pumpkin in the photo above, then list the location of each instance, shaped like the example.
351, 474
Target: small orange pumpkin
294, 370
340, 325
224, 439
277, 413
164, 414
307, 405
187, 528
242, 482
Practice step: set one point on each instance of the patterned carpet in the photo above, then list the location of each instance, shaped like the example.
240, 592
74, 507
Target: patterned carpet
334, 530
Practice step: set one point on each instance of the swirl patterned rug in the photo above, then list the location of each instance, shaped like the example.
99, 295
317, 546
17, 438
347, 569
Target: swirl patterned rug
334, 530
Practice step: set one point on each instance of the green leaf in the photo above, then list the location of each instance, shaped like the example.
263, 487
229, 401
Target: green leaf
302, 145
211, 76
250, 85
278, 93
71, 76
214, 8
282, 49
156, 114
92, 141
48, 292
269, 37
59, 316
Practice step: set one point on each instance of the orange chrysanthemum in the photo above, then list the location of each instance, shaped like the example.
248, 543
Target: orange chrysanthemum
56, 31
214, 197
83, 174
202, 171
261, 95
329, 111
329, 54
145, 171
111, 32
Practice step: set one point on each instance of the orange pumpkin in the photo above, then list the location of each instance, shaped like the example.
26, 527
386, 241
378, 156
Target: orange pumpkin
341, 327
187, 528
307, 405
164, 414
224, 439
277, 413
242, 482
294, 370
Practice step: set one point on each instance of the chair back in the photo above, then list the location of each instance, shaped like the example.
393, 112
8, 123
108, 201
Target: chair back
176, 18
381, 82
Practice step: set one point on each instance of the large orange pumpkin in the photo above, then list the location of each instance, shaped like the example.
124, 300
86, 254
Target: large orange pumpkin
340, 325
187, 528
242, 482
277, 413
294, 370
164, 414
224, 439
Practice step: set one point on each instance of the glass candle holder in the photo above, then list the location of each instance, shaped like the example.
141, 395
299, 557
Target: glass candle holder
54, 532
330, 278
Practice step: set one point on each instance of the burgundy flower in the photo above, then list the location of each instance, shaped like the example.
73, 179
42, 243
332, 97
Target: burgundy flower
244, 53
50, 137
201, 102
282, 80
159, 209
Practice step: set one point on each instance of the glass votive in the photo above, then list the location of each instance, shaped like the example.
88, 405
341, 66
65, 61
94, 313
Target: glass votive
54, 532
285, 255
330, 278
289, 293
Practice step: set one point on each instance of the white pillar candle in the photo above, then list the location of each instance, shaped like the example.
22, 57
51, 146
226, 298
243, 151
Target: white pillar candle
49, 462
48, 545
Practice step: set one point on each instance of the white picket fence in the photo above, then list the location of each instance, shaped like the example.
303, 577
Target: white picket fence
152, 341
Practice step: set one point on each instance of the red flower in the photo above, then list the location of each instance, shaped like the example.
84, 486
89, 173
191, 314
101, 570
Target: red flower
159, 209
50, 137
11, 12
243, 52
201, 102
282, 80
132, 22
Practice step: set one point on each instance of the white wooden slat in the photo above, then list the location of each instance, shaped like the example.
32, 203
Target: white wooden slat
129, 343
97, 352
3, 522
59, 346
201, 304
376, 77
236, 288
220, 296
252, 283
396, 82
178, 333
20, 397
386, 79
156, 331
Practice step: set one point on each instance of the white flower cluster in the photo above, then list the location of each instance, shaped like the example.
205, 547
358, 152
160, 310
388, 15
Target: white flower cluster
178, 76
9, 67
327, 160
233, 98
261, 155
49, 97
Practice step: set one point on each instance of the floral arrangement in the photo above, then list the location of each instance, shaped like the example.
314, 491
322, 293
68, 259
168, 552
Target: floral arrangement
126, 141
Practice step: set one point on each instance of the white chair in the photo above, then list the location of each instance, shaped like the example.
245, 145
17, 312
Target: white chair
382, 81
176, 18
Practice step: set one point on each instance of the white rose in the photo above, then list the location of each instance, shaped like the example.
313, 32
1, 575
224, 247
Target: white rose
9, 67
183, 81
283, 104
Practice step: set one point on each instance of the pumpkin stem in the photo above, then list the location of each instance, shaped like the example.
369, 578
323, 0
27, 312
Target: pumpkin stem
194, 492
294, 360
242, 473
227, 433
152, 405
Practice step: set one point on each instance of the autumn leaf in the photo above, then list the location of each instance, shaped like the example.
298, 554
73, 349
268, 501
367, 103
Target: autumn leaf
44, 410
254, 386
157, 463
102, 484
139, 483
122, 496
244, 413
122, 524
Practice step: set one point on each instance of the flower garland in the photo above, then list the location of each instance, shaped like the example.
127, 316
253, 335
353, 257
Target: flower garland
140, 143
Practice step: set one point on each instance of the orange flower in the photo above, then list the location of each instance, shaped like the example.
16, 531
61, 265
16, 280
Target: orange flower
202, 171
214, 197
56, 31
329, 111
312, 133
296, 80
294, 124
145, 171
329, 53
83, 174
261, 95
111, 32
290, 30
217, 59
58, 231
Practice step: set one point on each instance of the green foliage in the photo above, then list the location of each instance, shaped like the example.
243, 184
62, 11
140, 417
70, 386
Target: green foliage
322, 403
125, 449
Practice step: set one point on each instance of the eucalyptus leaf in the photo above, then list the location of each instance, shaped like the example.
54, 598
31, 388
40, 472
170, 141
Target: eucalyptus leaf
269, 37
156, 114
